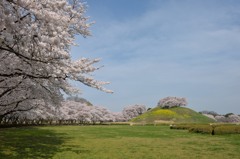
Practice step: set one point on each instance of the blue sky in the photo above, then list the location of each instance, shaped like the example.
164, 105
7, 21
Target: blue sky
152, 49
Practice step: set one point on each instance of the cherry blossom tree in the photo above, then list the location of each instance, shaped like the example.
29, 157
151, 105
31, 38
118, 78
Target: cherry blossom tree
42, 113
169, 102
119, 117
213, 113
133, 111
35, 61
82, 113
231, 118
209, 116
69, 112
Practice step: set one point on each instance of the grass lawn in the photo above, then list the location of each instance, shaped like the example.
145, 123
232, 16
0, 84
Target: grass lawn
114, 142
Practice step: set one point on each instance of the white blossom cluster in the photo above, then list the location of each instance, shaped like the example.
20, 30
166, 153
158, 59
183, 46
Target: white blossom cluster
72, 112
41, 112
213, 113
169, 102
35, 61
133, 111
82, 113
118, 116
210, 116
228, 119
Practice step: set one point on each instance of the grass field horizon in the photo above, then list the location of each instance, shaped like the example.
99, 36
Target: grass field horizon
114, 142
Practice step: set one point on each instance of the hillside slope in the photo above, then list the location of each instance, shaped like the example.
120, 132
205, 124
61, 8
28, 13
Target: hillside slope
175, 114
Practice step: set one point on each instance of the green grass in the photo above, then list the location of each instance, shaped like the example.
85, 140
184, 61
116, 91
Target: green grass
175, 114
114, 142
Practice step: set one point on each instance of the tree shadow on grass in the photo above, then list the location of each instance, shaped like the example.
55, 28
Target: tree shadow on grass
29, 143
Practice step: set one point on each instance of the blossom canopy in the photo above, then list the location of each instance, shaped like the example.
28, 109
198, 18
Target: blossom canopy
169, 102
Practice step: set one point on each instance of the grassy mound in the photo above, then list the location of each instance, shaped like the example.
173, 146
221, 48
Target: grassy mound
175, 114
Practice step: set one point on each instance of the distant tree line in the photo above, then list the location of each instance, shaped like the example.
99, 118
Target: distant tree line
74, 110
77, 110
227, 118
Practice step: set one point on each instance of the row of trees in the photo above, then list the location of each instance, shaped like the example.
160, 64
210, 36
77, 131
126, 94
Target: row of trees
35, 61
227, 118
72, 112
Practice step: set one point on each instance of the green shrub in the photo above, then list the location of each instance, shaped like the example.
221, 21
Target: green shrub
216, 129
204, 129
180, 126
227, 129
184, 126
